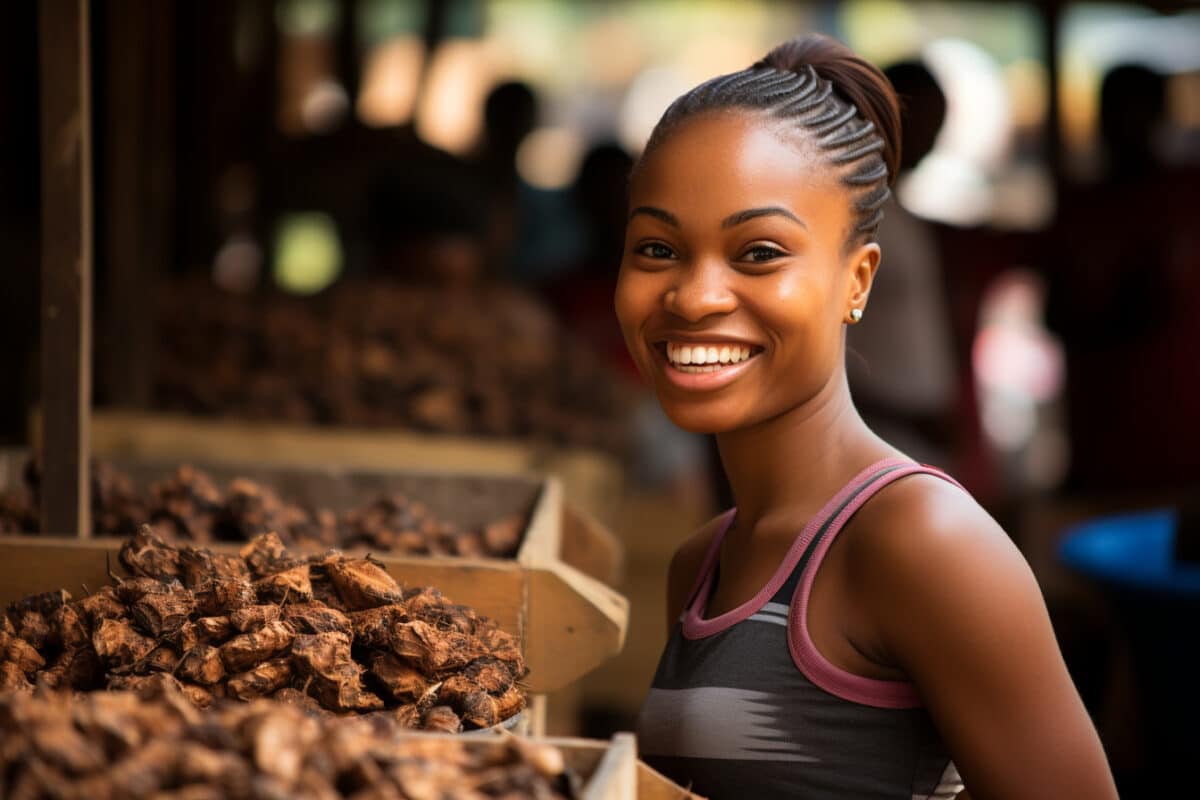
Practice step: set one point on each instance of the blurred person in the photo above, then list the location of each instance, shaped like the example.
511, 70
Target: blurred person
532, 233
901, 363
1124, 273
857, 626
426, 220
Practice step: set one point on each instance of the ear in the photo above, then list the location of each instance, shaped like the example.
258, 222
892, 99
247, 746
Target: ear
862, 264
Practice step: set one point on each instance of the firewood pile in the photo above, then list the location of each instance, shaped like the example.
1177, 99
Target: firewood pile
189, 506
153, 743
485, 362
326, 633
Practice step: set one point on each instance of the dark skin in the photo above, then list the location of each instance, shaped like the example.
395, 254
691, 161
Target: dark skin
739, 238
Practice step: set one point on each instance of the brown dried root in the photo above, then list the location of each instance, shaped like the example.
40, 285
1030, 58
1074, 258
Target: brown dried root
243, 652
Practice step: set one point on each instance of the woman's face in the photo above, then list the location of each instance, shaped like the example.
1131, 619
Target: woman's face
735, 279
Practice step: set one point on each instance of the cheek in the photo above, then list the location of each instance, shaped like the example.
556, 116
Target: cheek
633, 301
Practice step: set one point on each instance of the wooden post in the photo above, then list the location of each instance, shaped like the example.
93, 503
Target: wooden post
66, 264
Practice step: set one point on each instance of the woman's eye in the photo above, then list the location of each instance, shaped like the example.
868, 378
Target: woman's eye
655, 250
762, 254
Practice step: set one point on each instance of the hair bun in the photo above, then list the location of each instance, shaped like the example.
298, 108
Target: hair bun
857, 81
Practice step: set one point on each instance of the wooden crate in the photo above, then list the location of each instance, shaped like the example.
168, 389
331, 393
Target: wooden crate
610, 769
591, 481
568, 622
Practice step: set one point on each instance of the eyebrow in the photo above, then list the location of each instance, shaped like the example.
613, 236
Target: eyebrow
766, 211
729, 222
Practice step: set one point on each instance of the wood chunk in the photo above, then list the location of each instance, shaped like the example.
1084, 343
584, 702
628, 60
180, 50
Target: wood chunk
12, 677
316, 618
509, 702
32, 626
432, 650
373, 626
199, 696
214, 630
264, 679
490, 674
162, 658
221, 595
160, 614
146, 554
263, 553
198, 565
101, 604
480, 709
243, 652
130, 590
202, 665
290, 584
252, 618
17, 651
361, 583
401, 681
298, 699
442, 718
218, 768
45, 603
502, 645
320, 654
279, 741
119, 645
69, 628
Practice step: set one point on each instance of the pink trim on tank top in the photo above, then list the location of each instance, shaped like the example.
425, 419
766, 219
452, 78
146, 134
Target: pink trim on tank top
837, 681
695, 626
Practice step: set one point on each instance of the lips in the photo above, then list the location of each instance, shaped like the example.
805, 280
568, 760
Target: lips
699, 365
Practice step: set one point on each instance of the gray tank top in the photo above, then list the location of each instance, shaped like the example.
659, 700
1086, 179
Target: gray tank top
744, 706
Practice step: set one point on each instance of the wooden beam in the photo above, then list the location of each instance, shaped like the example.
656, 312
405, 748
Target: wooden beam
66, 263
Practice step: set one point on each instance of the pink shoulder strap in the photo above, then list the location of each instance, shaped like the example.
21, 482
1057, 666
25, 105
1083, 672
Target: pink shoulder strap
855, 688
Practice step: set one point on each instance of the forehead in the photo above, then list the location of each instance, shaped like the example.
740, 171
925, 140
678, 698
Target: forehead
722, 162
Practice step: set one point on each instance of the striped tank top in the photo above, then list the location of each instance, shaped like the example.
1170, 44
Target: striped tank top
744, 706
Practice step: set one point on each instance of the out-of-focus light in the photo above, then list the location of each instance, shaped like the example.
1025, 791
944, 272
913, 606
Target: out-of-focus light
450, 111
707, 57
882, 30
948, 189
549, 158
1027, 87
1017, 363
324, 106
647, 98
389, 85
306, 17
308, 253
238, 264
978, 122
610, 66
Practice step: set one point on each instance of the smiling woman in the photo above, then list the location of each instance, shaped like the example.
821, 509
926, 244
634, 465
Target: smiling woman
822, 646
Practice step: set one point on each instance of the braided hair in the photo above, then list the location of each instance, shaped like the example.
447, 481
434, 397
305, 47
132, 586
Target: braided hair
840, 102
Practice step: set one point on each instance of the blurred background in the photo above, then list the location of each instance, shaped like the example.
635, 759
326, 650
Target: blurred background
408, 214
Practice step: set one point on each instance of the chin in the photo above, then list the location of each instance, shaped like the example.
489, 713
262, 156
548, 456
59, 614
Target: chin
701, 417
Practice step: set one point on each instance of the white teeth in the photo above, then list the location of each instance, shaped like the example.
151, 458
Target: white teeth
705, 358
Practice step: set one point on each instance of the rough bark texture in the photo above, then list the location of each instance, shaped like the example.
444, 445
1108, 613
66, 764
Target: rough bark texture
367, 646
153, 741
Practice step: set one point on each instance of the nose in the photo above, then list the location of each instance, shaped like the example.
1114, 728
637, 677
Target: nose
699, 291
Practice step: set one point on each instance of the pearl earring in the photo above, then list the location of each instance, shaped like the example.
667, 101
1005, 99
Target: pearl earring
856, 314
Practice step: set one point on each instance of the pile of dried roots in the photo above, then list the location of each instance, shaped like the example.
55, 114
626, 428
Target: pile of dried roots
188, 505
324, 632
154, 744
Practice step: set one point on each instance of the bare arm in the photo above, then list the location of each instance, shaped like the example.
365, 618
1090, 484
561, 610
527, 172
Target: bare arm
959, 610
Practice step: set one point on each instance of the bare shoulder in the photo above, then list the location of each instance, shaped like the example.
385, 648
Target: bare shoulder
921, 522
686, 563
925, 550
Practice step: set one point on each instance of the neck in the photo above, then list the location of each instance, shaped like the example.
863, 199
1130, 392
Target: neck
799, 457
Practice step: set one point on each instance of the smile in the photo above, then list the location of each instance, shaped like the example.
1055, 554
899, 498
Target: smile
703, 366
